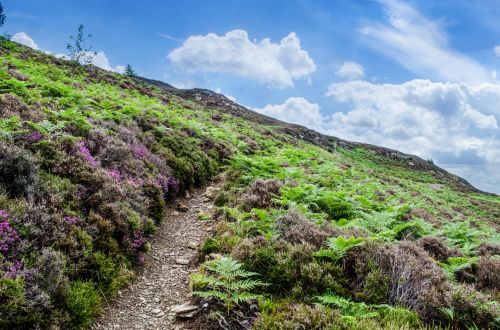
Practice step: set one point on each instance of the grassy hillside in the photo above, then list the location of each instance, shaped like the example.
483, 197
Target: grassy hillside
313, 232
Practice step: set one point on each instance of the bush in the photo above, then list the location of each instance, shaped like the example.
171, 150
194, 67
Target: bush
299, 316
471, 308
12, 301
17, 171
260, 193
415, 281
488, 273
296, 229
83, 302
437, 249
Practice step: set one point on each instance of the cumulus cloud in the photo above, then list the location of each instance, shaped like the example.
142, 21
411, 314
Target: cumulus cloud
351, 70
457, 124
101, 60
421, 45
296, 110
275, 64
496, 50
24, 39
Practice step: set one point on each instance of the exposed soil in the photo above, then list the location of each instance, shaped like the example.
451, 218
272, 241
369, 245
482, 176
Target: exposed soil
164, 281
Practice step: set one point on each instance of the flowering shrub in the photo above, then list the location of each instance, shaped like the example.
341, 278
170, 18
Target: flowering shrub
169, 185
114, 174
33, 137
8, 235
84, 151
71, 220
140, 150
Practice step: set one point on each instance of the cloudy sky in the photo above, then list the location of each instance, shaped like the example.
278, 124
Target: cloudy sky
418, 76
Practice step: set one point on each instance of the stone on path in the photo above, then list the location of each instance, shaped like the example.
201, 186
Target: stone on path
181, 261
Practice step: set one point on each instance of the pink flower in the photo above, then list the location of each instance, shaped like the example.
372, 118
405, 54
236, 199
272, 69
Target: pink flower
115, 175
8, 236
84, 151
34, 136
4, 214
140, 150
70, 219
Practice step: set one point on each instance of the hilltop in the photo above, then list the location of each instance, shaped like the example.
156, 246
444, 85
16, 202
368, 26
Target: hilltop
309, 231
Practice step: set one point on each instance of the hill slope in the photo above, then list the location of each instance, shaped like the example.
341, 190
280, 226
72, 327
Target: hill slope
89, 158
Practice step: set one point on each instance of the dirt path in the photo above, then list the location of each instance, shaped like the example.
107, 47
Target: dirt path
164, 282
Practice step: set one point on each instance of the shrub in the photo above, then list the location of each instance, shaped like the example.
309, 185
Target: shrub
298, 316
83, 302
51, 277
487, 249
488, 273
17, 171
296, 229
471, 308
12, 301
436, 248
260, 193
415, 281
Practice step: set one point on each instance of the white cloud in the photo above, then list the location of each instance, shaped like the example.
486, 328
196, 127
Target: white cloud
351, 70
276, 64
457, 124
101, 60
496, 50
24, 39
296, 110
421, 46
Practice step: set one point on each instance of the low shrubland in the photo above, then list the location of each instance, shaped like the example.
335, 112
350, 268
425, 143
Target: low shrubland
305, 238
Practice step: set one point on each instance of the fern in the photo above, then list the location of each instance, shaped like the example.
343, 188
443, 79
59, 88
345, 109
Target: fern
338, 247
351, 311
349, 308
225, 280
456, 264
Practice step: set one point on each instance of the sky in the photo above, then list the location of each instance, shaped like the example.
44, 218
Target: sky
417, 76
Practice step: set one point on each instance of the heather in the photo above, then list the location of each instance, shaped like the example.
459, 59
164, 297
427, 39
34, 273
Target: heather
307, 235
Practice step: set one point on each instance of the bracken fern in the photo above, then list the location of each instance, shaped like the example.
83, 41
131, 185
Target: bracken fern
225, 280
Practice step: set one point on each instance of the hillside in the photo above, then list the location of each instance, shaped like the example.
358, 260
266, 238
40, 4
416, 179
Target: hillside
310, 231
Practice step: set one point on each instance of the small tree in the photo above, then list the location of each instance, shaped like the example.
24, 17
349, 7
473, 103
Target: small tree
79, 49
2, 15
129, 71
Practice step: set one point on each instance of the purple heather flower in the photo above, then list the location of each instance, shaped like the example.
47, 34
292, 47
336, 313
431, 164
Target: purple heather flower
80, 192
135, 240
140, 150
4, 214
8, 236
34, 136
169, 184
115, 175
71, 220
14, 270
84, 151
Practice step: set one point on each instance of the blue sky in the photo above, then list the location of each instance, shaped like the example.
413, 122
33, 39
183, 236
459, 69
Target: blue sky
418, 76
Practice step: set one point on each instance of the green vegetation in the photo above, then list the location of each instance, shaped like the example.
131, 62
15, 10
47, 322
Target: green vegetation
229, 282
348, 239
129, 71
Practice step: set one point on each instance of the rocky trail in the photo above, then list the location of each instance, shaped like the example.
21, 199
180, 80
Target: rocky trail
151, 301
